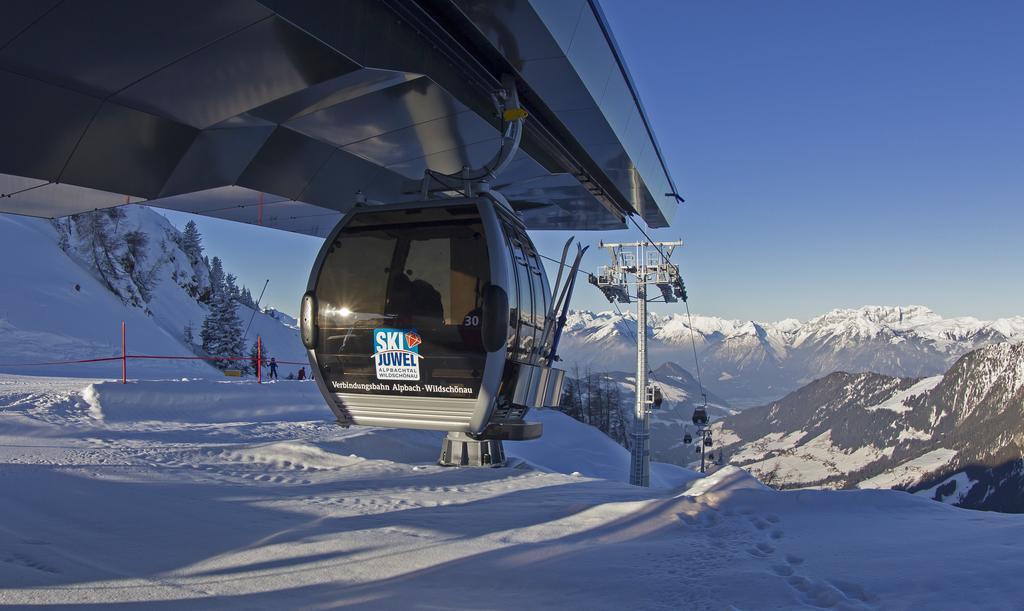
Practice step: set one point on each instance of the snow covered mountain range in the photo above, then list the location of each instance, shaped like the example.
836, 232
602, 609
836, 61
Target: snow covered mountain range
957, 437
68, 284
749, 363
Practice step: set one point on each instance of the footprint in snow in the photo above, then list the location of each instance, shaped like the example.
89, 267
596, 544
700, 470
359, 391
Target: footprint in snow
758, 523
761, 550
828, 595
29, 562
855, 591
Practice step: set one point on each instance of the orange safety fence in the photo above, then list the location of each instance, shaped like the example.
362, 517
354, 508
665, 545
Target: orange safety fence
125, 357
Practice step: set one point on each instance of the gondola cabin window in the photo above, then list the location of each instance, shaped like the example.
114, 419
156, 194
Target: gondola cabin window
400, 300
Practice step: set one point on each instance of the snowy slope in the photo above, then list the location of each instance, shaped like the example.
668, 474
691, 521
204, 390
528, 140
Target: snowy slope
750, 363
568, 446
277, 508
44, 318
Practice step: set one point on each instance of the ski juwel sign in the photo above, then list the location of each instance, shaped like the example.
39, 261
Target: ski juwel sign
396, 354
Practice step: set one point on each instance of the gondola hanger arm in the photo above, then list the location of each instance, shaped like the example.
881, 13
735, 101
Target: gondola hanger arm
474, 180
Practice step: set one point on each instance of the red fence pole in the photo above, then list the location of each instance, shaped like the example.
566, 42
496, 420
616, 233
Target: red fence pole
259, 360
124, 356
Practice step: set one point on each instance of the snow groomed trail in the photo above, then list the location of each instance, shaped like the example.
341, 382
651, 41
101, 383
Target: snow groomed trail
205, 494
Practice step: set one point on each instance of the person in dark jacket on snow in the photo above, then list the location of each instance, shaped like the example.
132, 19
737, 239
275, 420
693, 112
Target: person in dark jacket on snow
302, 373
273, 369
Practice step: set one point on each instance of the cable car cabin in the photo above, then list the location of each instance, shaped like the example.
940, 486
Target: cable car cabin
433, 315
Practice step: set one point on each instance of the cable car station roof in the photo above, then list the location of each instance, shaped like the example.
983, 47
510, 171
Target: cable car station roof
279, 113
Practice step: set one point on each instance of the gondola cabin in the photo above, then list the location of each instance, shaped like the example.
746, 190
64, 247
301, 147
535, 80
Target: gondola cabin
433, 315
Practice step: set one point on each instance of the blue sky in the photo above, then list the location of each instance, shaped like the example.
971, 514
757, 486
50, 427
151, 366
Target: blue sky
831, 155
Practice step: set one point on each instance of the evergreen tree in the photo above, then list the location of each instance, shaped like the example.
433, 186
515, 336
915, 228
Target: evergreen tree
231, 287
569, 401
192, 243
246, 298
216, 279
189, 335
209, 333
619, 426
133, 260
222, 330
118, 258
96, 228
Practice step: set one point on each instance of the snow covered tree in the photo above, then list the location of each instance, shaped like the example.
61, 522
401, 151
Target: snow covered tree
231, 287
194, 279
117, 252
192, 243
64, 230
96, 230
216, 279
246, 298
133, 263
222, 330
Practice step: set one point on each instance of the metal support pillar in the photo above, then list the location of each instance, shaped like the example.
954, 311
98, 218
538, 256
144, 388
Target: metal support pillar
703, 436
640, 456
640, 264
124, 354
461, 450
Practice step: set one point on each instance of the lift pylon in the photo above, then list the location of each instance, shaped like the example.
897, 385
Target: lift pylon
637, 265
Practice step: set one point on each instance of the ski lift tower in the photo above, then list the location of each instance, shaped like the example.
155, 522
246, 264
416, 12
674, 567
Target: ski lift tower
639, 264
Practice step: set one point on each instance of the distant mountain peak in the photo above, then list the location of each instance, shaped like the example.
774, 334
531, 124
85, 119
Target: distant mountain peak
671, 369
752, 361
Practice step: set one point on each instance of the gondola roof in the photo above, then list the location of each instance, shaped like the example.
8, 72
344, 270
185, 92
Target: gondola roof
282, 113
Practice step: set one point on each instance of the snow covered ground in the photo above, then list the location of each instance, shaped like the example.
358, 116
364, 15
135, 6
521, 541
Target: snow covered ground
202, 494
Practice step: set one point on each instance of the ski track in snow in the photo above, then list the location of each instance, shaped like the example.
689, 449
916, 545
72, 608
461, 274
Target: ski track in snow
288, 510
